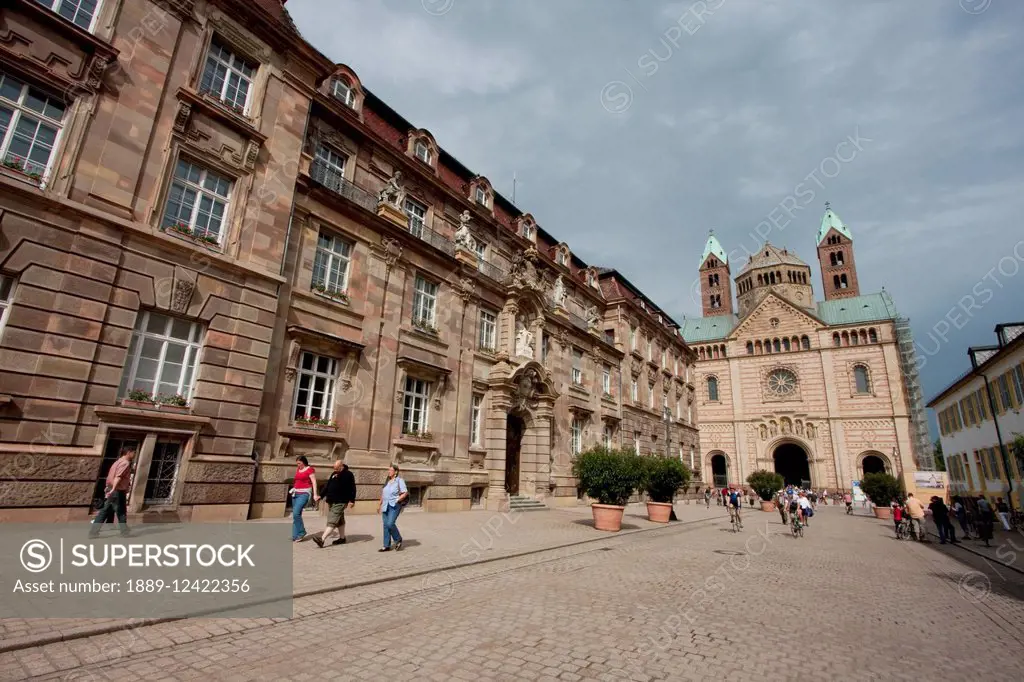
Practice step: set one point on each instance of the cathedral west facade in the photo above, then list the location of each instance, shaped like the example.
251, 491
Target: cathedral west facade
820, 391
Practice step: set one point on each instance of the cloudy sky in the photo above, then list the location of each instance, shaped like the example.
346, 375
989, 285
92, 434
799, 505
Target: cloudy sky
635, 127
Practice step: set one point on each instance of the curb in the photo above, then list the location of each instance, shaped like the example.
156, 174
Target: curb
975, 552
30, 641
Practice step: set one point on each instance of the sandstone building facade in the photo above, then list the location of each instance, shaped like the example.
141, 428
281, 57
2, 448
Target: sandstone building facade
821, 392
219, 248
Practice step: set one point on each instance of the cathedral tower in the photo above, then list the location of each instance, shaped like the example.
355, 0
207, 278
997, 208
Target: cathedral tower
835, 255
715, 282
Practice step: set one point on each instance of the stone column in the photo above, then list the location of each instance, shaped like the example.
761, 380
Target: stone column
495, 435
538, 339
142, 463
542, 418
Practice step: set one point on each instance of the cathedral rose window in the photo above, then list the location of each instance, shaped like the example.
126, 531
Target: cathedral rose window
781, 382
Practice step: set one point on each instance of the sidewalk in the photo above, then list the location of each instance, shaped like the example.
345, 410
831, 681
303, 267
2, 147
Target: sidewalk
1007, 547
433, 542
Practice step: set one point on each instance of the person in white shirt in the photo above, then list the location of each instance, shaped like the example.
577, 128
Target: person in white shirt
805, 508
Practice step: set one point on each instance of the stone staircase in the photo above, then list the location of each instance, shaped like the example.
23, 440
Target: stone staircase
520, 503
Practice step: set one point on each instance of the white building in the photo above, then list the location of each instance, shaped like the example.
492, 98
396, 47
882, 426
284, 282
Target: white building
970, 436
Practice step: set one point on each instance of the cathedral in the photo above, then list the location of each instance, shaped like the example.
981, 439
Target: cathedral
820, 391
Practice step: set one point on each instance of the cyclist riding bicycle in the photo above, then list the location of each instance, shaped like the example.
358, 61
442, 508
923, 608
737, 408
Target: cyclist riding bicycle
806, 510
848, 499
734, 503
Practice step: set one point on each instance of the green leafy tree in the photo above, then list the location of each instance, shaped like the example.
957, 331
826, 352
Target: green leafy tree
608, 475
663, 477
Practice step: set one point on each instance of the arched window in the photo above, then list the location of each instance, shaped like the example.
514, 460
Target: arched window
702, 356
750, 347
863, 337
842, 282
771, 278
760, 280
805, 343
714, 352
758, 348
776, 346
785, 345
832, 259
854, 339
862, 379
767, 346
723, 351
839, 257
835, 339
835, 281
846, 338
713, 389
873, 335
796, 343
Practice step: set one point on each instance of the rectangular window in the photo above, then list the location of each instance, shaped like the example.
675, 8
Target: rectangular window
476, 415
632, 338
650, 396
417, 213
609, 432
1005, 402
81, 13
577, 367
329, 167
488, 325
636, 442
314, 387
330, 266
969, 416
343, 91
227, 77
415, 412
606, 380
993, 463
1018, 384
6, 298
981, 396
417, 493
30, 124
422, 151
544, 343
664, 358
481, 196
980, 462
162, 357
577, 436
163, 472
197, 202
528, 231
424, 304
634, 391
650, 350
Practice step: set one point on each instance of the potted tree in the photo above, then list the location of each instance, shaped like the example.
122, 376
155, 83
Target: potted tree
881, 489
663, 477
609, 476
766, 484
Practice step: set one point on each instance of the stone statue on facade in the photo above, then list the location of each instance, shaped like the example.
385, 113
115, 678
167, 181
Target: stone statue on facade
524, 273
463, 237
558, 295
524, 343
593, 318
393, 192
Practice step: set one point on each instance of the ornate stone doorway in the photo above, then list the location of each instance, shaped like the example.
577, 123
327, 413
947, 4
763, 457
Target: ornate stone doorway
514, 429
792, 464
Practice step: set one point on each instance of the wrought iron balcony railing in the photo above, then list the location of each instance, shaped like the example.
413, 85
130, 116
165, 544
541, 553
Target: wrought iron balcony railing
330, 178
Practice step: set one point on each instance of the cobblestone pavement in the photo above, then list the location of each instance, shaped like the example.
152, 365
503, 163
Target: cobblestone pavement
434, 541
687, 601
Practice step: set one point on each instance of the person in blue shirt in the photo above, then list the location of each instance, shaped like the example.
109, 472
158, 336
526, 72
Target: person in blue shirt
393, 496
735, 503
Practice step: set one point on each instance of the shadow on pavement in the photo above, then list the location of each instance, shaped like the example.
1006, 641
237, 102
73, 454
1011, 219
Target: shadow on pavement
590, 524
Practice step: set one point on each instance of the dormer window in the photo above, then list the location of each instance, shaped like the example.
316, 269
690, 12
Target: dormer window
422, 152
560, 257
480, 196
528, 231
590, 278
341, 90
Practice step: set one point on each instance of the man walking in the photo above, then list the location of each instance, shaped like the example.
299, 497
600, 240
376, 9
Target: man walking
940, 514
339, 492
115, 492
916, 513
1003, 511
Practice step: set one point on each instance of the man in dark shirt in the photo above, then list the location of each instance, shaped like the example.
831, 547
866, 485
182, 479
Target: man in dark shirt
339, 492
940, 514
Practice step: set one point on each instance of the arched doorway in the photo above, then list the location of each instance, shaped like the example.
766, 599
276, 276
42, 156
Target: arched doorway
719, 470
791, 463
872, 463
514, 428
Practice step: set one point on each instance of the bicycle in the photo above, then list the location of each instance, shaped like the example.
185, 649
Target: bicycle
797, 526
849, 509
904, 531
734, 519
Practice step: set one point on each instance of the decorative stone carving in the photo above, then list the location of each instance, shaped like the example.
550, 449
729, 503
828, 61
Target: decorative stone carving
252, 150
563, 339
799, 428
182, 295
463, 237
786, 425
467, 289
593, 318
238, 37
523, 273
392, 251
764, 432
97, 67
393, 192
652, 374
558, 296
524, 343
810, 431
773, 428
181, 117
526, 389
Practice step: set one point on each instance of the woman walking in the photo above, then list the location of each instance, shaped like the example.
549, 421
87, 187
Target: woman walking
303, 488
393, 496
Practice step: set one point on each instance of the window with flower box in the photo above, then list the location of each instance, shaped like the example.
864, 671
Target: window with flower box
330, 267
228, 77
197, 203
30, 126
162, 359
314, 390
424, 305
81, 13
416, 407
488, 325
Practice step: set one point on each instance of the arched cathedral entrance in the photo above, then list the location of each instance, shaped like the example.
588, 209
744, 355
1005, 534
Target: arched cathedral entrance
792, 464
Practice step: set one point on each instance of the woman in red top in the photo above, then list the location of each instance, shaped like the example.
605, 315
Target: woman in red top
303, 488
897, 516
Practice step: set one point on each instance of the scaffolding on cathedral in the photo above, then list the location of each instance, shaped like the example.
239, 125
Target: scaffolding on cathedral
924, 455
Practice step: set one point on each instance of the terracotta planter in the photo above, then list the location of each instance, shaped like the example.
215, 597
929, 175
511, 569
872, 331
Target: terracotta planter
658, 512
883, 513
607, 517
138, 404
176, 409
767, 506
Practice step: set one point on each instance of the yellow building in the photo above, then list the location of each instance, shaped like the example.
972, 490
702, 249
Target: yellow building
979, 417
821, 392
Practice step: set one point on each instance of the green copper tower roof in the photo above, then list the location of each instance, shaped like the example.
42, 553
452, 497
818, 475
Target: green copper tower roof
713, 247
831, 221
